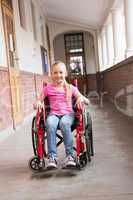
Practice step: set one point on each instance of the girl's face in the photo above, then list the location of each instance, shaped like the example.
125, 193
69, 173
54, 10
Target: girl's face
59, 73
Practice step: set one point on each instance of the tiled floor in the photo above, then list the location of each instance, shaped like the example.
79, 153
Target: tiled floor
108, 177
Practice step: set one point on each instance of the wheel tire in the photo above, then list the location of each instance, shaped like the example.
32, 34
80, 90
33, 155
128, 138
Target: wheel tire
83, 159
36, 165
88, 129
34, 136
90, 133
88, 148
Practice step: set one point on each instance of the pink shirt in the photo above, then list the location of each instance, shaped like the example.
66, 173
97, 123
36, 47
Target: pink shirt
58, 101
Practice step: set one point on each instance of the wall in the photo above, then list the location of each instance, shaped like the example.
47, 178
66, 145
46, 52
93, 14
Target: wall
59, 51
28, 92
5, 100
91, 82
30, 63
118, 82
3, 60
30, 85
28, 49
57, 28
59, 48
89, 53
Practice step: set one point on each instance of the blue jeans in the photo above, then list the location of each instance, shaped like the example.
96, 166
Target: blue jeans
64, 122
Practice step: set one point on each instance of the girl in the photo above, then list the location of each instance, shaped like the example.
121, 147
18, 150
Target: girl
61, 114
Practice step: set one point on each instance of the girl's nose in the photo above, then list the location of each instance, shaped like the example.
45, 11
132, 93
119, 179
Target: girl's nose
58, 74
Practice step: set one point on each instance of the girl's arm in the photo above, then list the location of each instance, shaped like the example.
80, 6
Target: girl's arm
39, 102
81, 99
41, 96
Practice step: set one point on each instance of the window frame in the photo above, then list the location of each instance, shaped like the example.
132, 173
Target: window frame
69, 54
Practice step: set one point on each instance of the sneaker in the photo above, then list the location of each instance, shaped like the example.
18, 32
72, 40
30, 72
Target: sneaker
52, 163
70, 162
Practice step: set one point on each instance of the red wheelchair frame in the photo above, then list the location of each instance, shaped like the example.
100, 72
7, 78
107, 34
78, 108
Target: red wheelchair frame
84, 139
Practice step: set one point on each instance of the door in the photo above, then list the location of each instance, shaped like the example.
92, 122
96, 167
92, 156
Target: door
12, 60
44, 60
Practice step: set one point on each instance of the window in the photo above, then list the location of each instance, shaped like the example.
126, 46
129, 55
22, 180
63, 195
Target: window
74, 49
33, 20
44, 60
22, 13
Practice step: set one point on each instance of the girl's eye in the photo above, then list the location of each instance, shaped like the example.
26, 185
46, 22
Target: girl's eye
58, 72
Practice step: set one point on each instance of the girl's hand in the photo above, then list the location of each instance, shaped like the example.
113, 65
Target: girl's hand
82, 100
79, 103
86, 101
38, 105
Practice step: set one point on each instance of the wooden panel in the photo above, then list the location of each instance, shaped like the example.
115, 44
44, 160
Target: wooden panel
7, 3
15, 90
12, 63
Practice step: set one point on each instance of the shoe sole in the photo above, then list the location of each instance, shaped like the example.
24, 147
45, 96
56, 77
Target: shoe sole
69, 166
51, 167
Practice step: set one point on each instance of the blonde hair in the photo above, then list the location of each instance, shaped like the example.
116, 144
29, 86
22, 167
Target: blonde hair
58, 62
67, 86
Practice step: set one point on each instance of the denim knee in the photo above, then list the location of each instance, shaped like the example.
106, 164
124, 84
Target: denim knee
51, 122
66, 121
65, 124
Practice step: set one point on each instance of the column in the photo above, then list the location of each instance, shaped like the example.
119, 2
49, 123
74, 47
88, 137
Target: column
128, 11
100, 51
109, 44
104, 49
107, 40
116, 34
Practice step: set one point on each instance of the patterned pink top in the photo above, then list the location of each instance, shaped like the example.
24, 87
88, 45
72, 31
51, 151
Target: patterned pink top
58, 101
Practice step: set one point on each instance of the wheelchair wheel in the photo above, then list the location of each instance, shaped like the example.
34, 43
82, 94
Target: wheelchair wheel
88, 148
36, 165
83, 159
34, 136
88, 136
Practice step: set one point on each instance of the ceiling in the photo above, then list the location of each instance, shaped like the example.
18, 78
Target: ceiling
87, 12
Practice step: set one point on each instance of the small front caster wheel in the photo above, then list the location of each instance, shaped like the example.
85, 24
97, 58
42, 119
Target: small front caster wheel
36, 164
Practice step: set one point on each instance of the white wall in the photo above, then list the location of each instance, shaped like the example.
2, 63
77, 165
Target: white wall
59, 51
57, 27
89, 53
3, 60
28, 49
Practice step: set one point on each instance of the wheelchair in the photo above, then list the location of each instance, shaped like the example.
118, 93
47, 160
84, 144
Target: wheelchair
82, 128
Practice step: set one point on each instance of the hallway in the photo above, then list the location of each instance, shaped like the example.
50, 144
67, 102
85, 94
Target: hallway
108, 177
